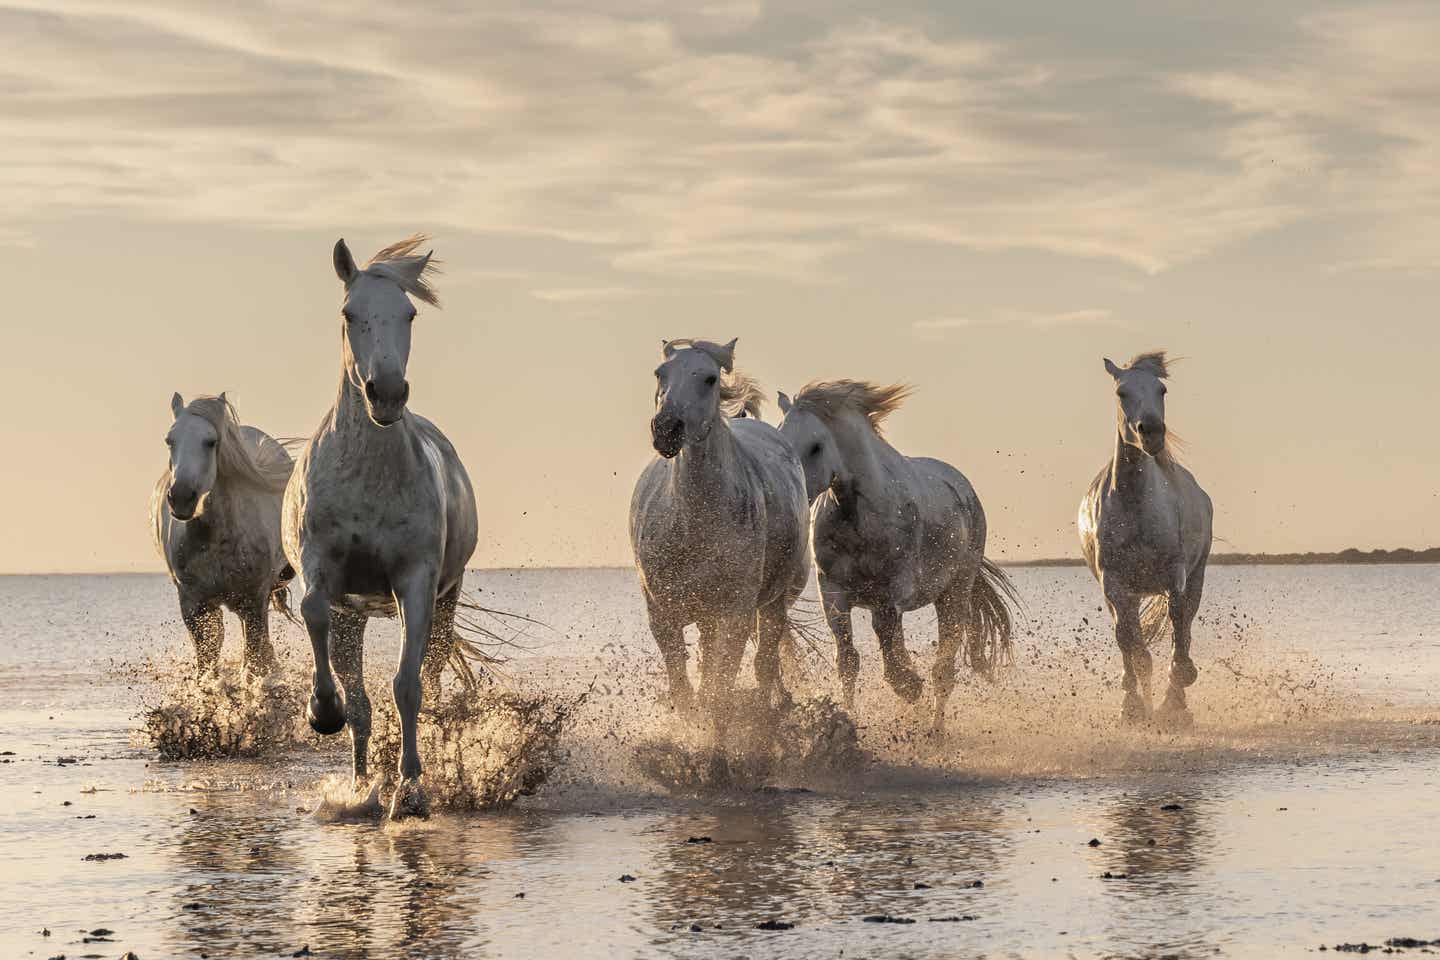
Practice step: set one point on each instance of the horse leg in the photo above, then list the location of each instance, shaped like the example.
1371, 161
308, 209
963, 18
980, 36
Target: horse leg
1174, 712
669, 634
442, 642
722, 644
348, 630
952, 610
899, 671
1125, 608
326, 711
206, 624
847, 658
259, 652
415, 597
772, 627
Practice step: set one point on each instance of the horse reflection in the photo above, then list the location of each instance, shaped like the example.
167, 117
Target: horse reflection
797, 858
1157, 845
259, 881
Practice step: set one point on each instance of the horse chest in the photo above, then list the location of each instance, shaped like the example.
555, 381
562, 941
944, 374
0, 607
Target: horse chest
866, 557
208, 558
1141, 538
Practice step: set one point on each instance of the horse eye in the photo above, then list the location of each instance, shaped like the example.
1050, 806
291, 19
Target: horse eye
815, 450
710, 380
349, 317
170, 441
209, 444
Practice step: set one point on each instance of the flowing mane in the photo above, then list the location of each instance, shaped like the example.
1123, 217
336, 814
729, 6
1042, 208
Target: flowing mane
264, 467
833, 397
1154, 363
413, 271
740, 396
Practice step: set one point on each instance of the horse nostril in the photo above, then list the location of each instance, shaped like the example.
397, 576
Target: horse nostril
404, 391
370, 390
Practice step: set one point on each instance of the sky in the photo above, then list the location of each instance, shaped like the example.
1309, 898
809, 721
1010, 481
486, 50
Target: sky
983, 199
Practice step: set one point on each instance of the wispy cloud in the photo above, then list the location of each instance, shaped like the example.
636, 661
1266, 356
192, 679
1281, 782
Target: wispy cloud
584, 294
683, 139
937, 328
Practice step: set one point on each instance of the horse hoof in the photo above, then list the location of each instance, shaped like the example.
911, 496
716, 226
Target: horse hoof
906, 683
1183, 673
1135, 712
682, 700
409, 801
1174, 717
780, 699
326, 714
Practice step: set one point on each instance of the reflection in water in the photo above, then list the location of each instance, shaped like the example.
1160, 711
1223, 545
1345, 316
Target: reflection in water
275, 881
815, 861
1157, 842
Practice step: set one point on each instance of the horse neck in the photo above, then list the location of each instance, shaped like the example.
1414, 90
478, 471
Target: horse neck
705, 472
1131, 470
869, 463
352, 424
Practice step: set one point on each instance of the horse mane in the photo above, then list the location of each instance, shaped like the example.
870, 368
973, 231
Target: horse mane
740, 396
234, 457
412, 271
1154, 363
830, 398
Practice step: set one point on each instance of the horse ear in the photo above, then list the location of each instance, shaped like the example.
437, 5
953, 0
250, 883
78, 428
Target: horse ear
784, 400
223, 401
177, 405
1111, 369
726, 359
344, 263
667, 348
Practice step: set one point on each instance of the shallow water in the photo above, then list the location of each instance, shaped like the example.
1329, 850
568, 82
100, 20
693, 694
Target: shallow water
1306, 796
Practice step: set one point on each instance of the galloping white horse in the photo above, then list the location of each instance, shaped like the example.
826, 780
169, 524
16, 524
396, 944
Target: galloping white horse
379, 515
215, 513
894, 533
1145, 528
718, 523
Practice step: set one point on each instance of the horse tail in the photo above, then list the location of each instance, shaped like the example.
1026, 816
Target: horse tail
469, 661
472, 633
991, 600
280, 596
1155, 619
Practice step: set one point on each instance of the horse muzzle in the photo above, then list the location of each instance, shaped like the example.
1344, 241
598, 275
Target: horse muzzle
668, 436
385, 400
182, 505
1152, 437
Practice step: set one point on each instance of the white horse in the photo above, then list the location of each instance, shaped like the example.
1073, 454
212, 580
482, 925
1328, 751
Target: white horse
1145, 529
215, 514
718, 523
892, 534
379, 515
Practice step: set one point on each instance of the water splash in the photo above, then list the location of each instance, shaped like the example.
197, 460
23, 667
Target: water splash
481, 751
810, 740
228, 714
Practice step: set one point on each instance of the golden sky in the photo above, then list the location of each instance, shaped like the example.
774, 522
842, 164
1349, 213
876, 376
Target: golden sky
983, 199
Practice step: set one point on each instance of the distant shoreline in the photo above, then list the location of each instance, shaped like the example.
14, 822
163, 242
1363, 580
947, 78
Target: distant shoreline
1351, 556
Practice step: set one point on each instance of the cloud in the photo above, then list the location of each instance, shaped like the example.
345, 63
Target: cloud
937, 328
1072, 318
725, 138
584, 294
